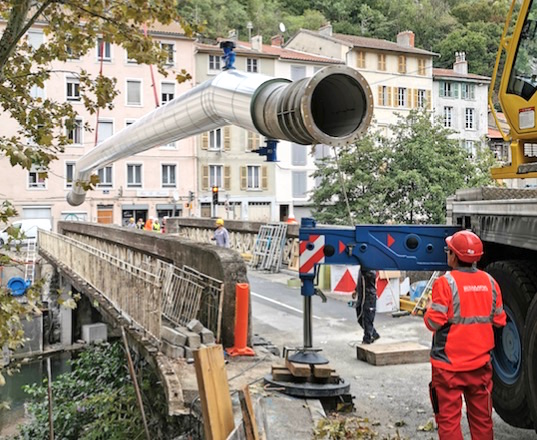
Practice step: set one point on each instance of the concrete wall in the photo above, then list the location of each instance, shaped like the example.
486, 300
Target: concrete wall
220, 263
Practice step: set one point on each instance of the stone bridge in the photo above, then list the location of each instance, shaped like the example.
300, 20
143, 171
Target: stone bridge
154, 284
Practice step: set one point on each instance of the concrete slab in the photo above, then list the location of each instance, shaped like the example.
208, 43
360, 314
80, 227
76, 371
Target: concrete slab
403, 352
282, 415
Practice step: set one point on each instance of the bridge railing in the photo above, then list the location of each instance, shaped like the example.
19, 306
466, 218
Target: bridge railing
134, 290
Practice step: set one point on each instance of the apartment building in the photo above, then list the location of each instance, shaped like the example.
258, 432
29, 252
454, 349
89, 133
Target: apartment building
251, 188
152, 183
399, 74
461, 101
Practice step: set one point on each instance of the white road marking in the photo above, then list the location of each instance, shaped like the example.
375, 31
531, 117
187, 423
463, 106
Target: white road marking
284, 305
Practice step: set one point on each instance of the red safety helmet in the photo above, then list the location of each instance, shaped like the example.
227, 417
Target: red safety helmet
467, 246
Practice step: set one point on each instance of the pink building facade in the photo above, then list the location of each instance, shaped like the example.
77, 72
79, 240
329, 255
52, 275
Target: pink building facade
156, 183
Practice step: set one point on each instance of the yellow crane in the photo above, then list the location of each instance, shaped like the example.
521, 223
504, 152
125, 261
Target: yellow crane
517, 62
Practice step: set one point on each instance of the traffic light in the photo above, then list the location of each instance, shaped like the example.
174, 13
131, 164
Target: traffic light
190, 196
215, 195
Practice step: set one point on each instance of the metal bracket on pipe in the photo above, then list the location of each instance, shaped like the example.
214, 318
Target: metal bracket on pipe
269, 151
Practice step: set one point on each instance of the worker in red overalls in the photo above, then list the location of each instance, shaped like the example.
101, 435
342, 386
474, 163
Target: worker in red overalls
466, 303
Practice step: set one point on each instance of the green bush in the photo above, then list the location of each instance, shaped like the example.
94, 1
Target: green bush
96, 400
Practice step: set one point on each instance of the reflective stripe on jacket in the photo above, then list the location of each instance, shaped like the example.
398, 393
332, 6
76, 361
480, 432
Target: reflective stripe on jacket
466, 303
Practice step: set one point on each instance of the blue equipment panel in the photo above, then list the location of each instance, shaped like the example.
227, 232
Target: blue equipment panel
373, 247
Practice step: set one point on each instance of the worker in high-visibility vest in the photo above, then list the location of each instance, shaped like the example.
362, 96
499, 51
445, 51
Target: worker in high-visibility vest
148, 224
156, 225
466, 304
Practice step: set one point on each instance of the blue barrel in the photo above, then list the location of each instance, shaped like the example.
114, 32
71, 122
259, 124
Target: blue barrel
18, 286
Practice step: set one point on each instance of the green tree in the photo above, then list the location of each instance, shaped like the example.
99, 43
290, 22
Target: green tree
405, 178
310, 19
215, 18
426, 167
97, 401
72, 28
356, 177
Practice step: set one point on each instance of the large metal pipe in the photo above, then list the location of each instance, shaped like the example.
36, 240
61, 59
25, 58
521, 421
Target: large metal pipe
332, 107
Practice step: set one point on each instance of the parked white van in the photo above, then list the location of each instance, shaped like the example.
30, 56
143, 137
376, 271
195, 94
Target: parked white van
28, 227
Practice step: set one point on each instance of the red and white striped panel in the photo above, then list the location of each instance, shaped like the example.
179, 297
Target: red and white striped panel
308, 258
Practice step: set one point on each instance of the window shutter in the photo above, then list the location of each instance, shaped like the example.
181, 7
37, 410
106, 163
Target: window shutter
249, 141
205, 177
455, 90
415, 103
205, 141
227, 178
389, 103
395, 96
428, 104
244, 176
227, 136
441, 88
380, 95
264, 177
254, 141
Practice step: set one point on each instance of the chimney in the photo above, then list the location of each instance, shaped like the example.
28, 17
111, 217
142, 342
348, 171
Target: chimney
326, 30
257, 43
460, 65
405, 38
276, 40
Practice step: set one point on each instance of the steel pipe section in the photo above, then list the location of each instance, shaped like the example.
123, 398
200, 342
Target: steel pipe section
333, 107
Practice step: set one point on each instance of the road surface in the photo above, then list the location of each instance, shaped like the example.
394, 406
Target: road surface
394, 398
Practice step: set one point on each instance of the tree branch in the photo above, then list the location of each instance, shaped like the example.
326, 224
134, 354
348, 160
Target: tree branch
15, 31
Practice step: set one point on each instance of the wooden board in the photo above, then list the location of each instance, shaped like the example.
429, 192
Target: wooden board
393, 354
213, 387
294, 258
248, 414
298, 370
322, 371
281, 374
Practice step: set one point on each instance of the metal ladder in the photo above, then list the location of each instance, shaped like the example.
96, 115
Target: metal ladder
421, 304
29, 267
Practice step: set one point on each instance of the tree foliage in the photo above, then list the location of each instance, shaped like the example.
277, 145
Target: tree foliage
355, 176
442, 26
97, 401
405, 178
72, 28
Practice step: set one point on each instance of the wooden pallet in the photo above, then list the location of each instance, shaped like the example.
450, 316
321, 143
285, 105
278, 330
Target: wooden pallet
393, 354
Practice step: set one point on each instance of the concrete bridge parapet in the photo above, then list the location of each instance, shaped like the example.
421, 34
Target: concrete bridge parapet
223, 264
242, 233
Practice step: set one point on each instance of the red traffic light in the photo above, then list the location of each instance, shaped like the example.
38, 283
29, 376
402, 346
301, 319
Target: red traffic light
215, 189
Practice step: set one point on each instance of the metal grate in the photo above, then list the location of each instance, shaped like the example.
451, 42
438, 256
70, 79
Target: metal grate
269, 246
189, 294
212, 301
182, 296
